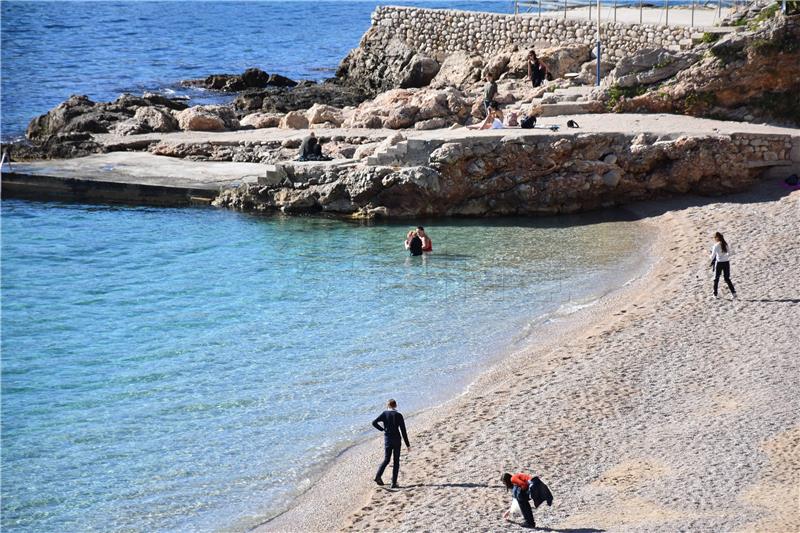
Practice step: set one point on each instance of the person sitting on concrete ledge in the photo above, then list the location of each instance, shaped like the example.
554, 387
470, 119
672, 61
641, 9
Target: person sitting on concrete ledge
311, 149
493, 120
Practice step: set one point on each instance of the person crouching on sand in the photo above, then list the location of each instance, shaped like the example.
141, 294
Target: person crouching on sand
393, 427
720, 262
518, 483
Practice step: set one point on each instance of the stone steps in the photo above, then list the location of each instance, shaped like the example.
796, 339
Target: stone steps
568, 108
411, 152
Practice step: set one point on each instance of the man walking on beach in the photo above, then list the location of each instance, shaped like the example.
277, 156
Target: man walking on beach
393, 426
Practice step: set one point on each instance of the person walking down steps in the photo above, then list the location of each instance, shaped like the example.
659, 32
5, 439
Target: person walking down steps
720, 263
393, 427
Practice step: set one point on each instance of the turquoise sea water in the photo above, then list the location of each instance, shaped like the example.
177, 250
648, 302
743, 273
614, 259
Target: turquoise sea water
190, 369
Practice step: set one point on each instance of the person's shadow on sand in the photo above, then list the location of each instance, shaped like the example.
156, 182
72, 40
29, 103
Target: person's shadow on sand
487, 486
457, 485
776, 300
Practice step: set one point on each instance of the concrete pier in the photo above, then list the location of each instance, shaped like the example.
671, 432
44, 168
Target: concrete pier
126, 177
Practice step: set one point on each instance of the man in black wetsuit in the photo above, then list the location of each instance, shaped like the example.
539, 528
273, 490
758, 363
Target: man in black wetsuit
393, 426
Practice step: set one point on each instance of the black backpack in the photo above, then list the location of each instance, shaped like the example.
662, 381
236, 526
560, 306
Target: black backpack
527, 122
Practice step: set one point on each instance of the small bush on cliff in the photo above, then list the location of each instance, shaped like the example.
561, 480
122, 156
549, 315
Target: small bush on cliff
709, 38
697, 103
617, 93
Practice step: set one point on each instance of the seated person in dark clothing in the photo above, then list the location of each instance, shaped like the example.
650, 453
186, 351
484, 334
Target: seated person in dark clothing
311, 149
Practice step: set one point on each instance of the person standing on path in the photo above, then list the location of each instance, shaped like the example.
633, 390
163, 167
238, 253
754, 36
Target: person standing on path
720, 262
537, 70
393, 427
489, 92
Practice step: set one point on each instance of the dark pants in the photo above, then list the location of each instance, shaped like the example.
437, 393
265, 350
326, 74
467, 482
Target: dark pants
390, 448
524, 502
724, 268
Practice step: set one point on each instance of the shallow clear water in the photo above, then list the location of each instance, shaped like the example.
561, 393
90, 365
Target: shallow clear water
167, 369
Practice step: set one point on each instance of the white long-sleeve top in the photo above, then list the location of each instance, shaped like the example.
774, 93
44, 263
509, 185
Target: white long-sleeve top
718, 255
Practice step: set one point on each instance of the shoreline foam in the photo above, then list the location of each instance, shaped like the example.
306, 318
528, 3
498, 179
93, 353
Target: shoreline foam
631, 395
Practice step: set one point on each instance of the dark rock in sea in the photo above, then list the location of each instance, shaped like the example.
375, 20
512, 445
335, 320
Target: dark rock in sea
80, 114
303, 96
276, 80
251, 78
255, 78
59, 146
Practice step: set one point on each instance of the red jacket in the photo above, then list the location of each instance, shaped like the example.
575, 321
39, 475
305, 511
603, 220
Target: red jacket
521, 480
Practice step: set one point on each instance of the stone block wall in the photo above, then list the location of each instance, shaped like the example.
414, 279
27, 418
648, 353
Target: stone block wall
438, 33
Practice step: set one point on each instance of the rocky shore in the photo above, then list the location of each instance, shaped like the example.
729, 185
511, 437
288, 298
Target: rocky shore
394, 81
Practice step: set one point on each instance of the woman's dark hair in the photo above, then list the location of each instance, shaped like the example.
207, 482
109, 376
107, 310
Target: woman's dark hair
506, 479
720, 239
533, 53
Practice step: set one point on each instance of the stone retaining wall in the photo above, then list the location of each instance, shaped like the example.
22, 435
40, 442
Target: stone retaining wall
437, 33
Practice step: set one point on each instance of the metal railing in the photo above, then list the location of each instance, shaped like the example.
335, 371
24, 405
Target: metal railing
574, 8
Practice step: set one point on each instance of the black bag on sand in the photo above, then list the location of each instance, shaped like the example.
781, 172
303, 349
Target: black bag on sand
527, 122
572, 124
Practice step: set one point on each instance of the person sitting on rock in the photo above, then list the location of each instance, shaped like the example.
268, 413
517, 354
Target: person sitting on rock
537, 70
493, 120
311, 149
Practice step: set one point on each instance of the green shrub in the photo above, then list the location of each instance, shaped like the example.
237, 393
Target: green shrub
711, 37
617, 93
699, 102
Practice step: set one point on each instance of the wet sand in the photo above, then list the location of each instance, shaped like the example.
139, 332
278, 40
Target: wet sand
659, 408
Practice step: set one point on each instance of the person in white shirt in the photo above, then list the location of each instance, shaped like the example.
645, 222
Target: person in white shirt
720, 262
493, 120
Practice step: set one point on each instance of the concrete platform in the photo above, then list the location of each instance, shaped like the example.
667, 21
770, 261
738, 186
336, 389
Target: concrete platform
126, 177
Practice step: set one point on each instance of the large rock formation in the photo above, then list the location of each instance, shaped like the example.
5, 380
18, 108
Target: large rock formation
79, 114
748, 75
208, 118
375, 68
518, 176
403, 108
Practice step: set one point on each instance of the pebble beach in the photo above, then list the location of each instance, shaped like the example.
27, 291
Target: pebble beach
660, 408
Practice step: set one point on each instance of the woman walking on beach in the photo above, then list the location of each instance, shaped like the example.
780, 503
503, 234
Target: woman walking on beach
720, 262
